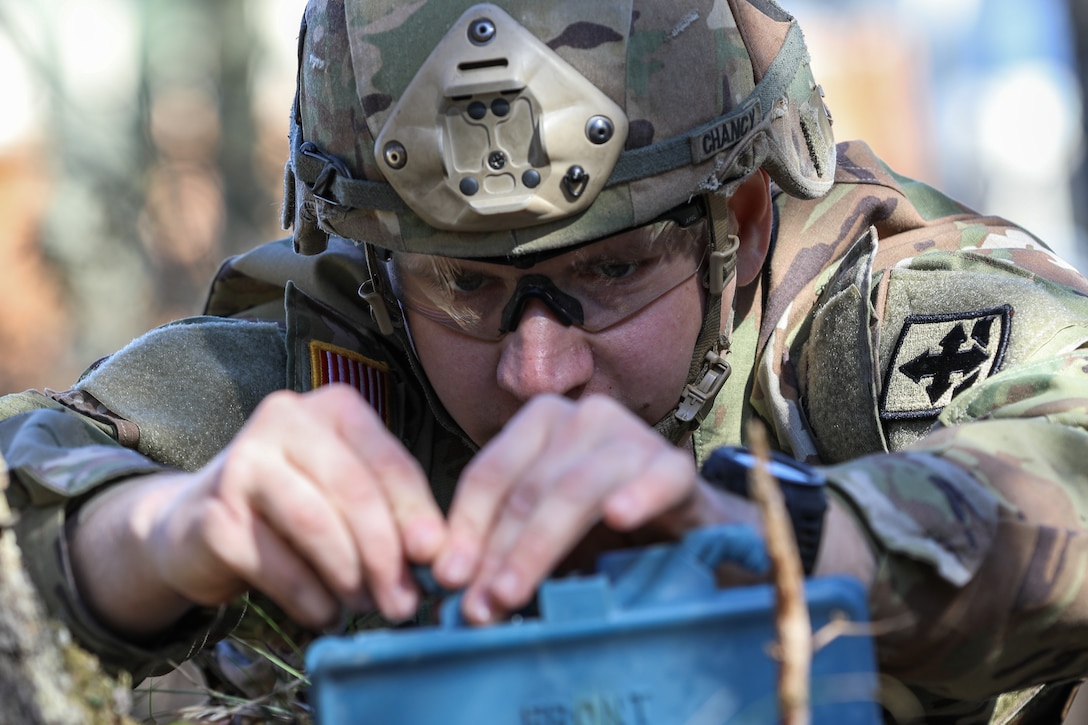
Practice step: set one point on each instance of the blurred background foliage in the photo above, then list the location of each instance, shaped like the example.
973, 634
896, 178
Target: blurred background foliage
142, 141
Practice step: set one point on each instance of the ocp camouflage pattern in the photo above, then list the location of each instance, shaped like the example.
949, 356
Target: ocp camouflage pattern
979, 522
977, 519
639, 54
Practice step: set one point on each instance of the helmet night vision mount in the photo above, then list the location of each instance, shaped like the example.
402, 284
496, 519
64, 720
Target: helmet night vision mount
497, 131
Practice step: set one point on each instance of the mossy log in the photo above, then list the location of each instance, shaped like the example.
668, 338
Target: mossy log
44, 677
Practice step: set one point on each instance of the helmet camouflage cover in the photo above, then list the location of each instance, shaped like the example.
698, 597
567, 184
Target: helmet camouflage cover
478, 131
443, 127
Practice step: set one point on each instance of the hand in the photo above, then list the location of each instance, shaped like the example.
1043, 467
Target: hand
557, 470
314, 503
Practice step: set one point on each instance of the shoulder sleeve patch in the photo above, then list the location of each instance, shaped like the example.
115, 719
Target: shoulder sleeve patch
939, 356
332, 364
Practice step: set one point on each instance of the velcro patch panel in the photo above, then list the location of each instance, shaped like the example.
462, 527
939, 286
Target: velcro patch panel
939, 356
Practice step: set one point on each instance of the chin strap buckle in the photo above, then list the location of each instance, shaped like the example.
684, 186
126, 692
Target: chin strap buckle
698, 398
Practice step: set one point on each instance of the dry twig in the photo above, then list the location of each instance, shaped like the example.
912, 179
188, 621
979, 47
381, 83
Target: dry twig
791, 611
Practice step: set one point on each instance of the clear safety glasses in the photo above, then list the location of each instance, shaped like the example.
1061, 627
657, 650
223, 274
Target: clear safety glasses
594, 286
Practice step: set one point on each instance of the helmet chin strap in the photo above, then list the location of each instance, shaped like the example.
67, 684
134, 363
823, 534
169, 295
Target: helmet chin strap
709, 369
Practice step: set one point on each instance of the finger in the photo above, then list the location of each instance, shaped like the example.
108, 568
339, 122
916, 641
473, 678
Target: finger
268, 564
544, 519
387, 501
545, 440
284, 497
370, 480
479, 602
211, 551
402, 481
486, 483
362, 510
663, 487
316, 493
648, 477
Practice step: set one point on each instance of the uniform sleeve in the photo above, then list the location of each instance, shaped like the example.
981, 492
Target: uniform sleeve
933, 361
981, 532
55, 461
168, 401
979, 511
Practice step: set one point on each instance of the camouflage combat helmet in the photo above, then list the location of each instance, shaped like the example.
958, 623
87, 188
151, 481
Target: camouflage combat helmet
479, 131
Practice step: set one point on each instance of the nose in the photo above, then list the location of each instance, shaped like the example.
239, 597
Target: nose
544, 356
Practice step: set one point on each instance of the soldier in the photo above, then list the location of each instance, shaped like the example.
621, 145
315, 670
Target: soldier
557, 256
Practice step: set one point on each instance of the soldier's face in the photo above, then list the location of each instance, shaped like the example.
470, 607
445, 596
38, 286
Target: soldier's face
641, 360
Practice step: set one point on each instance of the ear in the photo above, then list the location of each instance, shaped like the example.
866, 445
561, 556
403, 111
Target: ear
751, 205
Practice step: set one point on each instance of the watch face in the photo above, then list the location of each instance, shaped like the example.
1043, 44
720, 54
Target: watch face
782, 468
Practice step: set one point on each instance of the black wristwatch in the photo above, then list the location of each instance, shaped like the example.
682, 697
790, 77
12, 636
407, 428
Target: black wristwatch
803, 488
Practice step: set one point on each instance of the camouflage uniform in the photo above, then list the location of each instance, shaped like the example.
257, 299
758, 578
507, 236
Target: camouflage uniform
889, 318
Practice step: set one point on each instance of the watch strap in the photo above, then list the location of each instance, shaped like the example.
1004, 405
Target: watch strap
803, 490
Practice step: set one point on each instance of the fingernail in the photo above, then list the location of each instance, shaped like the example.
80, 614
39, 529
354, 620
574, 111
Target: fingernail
404, 602
456, 568
477, 609
507, 586
623, 506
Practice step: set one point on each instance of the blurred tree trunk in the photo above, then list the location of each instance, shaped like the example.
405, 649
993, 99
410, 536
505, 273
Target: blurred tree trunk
205, 199
155, 166
249, 208
89, 233
1078, 11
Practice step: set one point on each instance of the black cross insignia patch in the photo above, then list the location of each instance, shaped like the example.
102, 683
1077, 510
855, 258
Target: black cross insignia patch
939, 356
